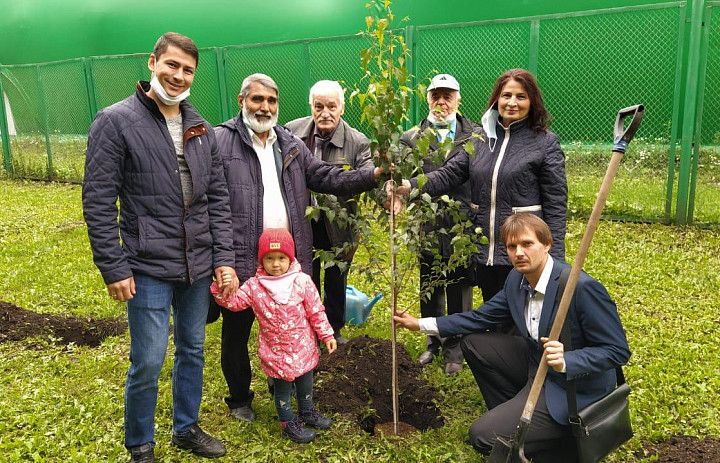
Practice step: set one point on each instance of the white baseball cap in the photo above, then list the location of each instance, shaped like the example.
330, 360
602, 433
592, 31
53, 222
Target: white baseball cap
444, 81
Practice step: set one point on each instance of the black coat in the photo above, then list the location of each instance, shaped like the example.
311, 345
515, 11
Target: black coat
530, 174
131, 156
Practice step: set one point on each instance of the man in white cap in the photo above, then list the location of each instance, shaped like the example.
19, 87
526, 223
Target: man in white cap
443, 97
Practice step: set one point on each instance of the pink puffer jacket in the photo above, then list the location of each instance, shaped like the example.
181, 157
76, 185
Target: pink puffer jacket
287, 344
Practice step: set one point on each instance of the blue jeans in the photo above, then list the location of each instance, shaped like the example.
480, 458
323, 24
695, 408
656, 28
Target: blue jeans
148, 319
303, 391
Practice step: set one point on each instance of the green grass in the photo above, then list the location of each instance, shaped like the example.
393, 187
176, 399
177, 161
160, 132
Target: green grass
61, 405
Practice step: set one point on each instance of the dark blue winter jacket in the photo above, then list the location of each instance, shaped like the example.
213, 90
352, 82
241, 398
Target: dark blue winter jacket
300, 172
131, 156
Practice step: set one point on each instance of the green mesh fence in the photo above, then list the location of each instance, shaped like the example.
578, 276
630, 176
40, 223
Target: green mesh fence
487, 50
63, 86
29, 145
205, 92
588, 65
337, 59
115, 77
707, 190
285, 63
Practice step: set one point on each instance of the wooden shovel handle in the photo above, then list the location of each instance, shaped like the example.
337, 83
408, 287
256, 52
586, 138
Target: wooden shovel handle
637, 112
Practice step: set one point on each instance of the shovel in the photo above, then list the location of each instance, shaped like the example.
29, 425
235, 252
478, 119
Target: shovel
512, 451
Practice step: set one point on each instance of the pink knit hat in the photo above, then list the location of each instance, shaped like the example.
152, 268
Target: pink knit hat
276, 240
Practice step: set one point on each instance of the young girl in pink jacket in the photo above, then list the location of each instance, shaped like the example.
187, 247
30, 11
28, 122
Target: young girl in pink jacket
290, 315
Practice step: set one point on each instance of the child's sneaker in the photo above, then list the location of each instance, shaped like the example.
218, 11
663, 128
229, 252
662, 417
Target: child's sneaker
315, 419
296, 432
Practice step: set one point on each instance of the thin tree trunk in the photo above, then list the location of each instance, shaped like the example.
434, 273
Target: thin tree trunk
393, 308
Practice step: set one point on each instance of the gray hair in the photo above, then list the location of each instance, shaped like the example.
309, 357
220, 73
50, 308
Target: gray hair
262, 79
327, 87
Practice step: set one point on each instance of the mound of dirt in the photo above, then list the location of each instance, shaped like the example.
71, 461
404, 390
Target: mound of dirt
683, 449
17, 323
357, 380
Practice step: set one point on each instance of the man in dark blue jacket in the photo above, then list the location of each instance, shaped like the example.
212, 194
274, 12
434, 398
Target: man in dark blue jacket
269, 173
156, 154
504, 365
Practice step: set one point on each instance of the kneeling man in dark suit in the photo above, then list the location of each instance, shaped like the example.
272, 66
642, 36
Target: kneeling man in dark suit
504, 365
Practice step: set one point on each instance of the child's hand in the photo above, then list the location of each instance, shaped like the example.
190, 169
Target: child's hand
331, 345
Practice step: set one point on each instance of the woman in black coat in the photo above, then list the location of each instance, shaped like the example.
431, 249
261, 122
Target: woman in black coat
518, 167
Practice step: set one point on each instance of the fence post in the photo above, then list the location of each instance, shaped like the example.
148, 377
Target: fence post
410, 43
45, 122
697, 139
90, 87
534, 47
675, 118
683, 213
4, 131
222, 85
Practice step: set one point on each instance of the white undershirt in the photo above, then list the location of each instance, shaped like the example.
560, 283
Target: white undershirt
274, 210
533, 308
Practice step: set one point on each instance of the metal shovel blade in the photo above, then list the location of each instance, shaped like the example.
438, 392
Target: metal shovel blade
510, 450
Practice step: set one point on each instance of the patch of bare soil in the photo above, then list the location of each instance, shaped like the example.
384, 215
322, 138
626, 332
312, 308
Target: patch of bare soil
683, 449
17, 324
357, 380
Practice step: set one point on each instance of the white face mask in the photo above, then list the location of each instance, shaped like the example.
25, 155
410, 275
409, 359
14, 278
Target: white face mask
163, 95
436, 119
258, 126
489, 122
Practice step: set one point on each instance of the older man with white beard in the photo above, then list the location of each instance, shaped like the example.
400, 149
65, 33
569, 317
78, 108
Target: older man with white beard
269, 173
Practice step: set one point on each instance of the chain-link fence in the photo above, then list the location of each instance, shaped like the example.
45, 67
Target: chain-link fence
588, 65
706, 178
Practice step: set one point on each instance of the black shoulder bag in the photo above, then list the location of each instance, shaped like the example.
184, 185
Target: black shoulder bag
603, 426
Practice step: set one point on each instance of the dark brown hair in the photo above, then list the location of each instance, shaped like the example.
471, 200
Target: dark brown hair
177, 40
538, 117
516, 224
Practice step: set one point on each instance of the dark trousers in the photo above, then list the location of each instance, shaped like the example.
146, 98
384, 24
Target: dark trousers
334, 282
234, 356
491, 279
303, 391
503, 370
457, 294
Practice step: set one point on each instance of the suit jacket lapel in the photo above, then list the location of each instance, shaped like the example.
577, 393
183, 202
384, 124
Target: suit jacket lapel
516, 301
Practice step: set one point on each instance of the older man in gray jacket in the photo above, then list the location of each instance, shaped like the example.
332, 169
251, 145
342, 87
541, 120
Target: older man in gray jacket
330, 138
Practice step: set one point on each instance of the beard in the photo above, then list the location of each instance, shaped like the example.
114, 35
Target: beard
257, 125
